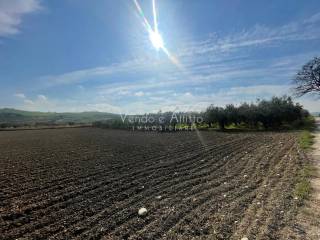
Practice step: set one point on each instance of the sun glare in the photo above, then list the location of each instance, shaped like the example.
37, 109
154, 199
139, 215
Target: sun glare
154, 35
156, 39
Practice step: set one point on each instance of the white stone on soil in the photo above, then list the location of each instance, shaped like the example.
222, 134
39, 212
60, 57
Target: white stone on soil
142, 211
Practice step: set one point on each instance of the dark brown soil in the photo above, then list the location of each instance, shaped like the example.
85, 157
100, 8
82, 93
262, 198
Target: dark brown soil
90, 183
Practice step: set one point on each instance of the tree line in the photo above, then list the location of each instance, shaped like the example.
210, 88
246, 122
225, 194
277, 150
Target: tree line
279, 112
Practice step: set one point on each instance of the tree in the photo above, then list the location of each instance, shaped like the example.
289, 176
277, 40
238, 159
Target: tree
232, 114
249, 114
308, 78
216, 115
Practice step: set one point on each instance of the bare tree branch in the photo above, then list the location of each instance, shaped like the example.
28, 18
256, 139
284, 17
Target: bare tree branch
308, 78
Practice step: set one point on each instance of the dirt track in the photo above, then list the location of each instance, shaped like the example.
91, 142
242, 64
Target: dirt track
90, 183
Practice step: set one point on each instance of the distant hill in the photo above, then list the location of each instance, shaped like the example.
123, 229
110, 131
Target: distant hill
316, 114
13, 116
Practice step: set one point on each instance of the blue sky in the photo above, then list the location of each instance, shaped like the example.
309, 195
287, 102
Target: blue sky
81, 55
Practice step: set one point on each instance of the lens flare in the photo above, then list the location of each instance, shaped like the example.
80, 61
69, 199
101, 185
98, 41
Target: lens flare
154, 11
156, 40
154, 35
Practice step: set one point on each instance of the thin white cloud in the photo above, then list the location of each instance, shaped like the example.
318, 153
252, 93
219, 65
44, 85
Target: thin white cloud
42, 97
131, 66
67, 105
12, 12
139, 94
260, 35
167, 101
192, 102
188, 94
28, 102
122, 92
282, 68
310, 102
40, 102
258, 90
313, 19
20, 95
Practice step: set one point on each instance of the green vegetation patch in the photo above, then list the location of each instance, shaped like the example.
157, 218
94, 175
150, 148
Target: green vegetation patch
306, 139
303, 186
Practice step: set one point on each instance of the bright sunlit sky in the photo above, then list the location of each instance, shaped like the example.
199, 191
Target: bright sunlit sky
81, 55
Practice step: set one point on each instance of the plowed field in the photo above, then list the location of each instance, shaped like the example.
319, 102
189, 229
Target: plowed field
90, 183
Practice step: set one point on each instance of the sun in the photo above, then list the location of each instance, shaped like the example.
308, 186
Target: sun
156, 40
154, 35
